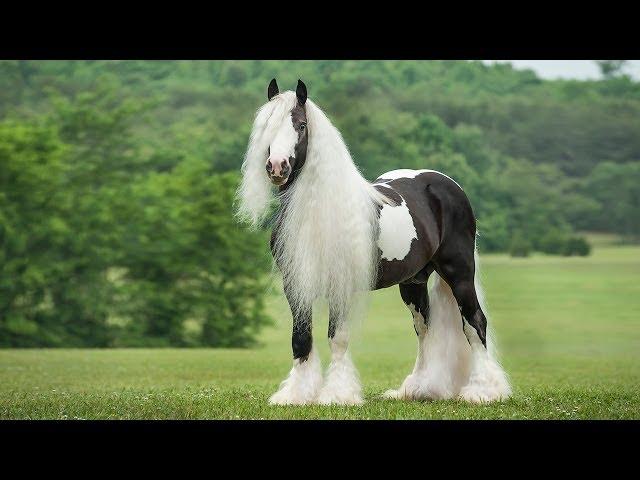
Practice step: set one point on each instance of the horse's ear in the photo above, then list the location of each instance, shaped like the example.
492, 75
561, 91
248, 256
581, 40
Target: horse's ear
301, 92
272, 91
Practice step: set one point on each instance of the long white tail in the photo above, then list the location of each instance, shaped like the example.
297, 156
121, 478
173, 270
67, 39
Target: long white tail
491, 339
488, 382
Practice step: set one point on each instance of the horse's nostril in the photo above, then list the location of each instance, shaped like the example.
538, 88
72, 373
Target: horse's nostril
285, 168
269, 167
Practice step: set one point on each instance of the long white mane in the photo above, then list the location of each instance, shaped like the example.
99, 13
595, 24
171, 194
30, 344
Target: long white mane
326, 243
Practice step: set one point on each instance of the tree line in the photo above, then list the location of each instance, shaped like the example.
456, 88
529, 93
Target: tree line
117, 180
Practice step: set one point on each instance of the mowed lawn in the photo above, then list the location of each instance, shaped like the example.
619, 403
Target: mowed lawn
568, 330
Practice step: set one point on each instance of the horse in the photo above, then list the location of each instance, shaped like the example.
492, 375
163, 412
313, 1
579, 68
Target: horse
337, 236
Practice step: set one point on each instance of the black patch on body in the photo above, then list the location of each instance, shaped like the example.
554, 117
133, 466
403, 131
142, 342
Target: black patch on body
425, 215
446, 229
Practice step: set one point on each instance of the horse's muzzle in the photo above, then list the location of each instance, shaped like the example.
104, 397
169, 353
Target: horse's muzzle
278, 170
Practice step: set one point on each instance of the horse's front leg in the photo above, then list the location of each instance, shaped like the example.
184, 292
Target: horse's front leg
305, 378
342, 385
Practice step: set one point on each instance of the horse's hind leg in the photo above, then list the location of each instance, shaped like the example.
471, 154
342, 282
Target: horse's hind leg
487, 381
342, 385
459, 275
416, 298
443, 353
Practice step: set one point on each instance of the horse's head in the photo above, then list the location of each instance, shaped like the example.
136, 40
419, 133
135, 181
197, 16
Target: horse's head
288, 149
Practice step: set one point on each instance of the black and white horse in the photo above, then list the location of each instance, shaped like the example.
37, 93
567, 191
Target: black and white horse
337, 235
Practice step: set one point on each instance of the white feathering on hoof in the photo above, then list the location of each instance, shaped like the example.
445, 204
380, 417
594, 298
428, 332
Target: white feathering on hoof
342, 385
302, 385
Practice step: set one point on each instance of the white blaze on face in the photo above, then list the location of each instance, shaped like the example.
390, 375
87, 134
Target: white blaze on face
397, 231
283, 145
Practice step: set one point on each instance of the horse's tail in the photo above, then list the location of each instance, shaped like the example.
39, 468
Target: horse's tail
491, 345
486, 367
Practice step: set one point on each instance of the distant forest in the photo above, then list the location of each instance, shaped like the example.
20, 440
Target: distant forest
117, 179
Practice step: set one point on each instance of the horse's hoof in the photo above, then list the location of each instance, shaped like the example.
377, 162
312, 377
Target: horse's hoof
326, 398
392, 395
284, 398
479, 394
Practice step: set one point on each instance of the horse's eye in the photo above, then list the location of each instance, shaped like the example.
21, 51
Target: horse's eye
303, 126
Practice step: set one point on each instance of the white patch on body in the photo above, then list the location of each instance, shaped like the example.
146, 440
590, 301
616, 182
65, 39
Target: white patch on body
303, 383
408, 173
397, 231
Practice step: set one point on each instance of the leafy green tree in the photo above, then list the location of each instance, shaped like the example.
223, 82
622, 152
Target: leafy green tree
101, 249
615, 187
39, 290
611, 68
519, 245
189, 261
117, 179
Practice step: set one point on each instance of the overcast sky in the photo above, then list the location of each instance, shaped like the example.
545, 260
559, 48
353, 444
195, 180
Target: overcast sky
579, 69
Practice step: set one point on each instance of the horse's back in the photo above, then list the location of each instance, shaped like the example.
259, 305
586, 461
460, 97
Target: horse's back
443, 194
420, 176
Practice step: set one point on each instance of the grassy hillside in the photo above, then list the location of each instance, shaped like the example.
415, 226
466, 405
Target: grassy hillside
568, 330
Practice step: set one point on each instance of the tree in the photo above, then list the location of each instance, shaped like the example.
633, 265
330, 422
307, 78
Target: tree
611, 68
98, 249
116, 179
615, 187
188, 261
39, 291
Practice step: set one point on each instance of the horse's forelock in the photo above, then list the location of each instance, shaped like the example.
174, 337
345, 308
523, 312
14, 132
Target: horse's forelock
255, 193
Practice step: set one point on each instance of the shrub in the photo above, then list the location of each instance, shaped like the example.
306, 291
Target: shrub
554, 242
576, 246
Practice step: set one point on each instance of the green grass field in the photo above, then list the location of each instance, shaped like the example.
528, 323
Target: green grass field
568, 330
